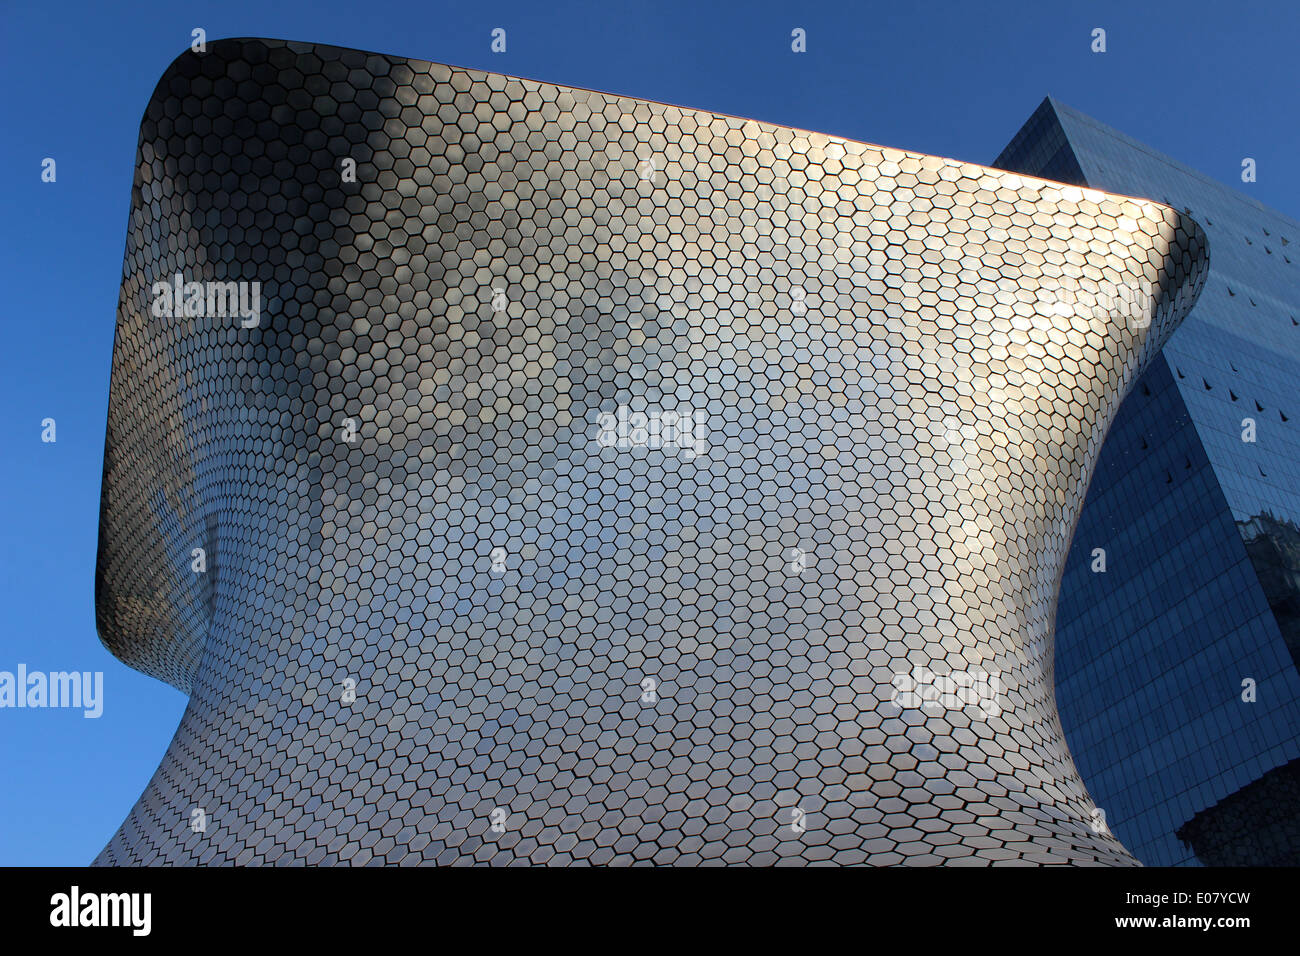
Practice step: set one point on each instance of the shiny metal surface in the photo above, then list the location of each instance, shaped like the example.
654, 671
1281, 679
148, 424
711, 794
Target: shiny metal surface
873, 384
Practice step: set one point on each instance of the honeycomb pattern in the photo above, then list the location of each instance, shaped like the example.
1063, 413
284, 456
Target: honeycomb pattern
598, 473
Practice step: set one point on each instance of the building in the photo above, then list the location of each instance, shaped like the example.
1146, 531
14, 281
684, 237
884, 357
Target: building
520, 474
1196, 504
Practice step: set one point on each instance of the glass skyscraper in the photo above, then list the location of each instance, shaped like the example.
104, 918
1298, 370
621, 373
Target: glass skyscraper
1178, 625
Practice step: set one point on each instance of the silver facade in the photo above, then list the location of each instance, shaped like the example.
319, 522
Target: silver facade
460, 602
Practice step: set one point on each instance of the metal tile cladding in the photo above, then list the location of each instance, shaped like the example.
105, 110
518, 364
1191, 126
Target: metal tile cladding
588, 480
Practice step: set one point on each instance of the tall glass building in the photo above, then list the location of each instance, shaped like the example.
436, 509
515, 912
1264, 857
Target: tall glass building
1178, 625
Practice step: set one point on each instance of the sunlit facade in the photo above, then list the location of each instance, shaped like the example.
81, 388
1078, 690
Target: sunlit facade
523, 474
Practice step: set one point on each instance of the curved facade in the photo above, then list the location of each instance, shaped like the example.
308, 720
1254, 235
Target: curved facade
588, 480
1195, 498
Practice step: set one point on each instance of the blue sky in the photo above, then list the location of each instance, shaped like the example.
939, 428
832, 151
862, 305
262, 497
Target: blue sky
1206, 82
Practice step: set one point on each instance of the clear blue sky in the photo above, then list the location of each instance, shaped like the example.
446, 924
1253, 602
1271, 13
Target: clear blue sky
1207, 82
